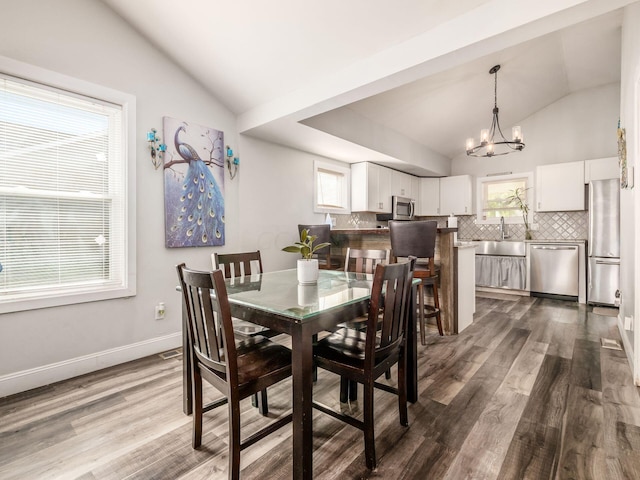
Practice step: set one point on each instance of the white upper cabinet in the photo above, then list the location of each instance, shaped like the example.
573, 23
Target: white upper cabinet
401, 184
560, 187
601, 169
370, 188
415, 190
455, 195
429, 201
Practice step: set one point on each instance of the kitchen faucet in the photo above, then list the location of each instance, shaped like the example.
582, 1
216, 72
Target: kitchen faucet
504, 230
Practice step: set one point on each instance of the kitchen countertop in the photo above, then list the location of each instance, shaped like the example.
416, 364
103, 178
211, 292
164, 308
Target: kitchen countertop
466, 242
377, 231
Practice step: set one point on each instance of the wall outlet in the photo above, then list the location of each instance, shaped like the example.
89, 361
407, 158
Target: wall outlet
160, 311
628, 323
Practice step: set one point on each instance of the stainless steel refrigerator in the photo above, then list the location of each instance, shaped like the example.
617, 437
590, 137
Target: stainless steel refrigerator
604, 242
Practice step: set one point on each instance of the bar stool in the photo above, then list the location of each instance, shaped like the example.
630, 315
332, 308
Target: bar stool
418, 239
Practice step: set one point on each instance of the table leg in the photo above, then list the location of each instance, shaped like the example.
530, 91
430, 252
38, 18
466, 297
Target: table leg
302, 369
412, 350
186, 366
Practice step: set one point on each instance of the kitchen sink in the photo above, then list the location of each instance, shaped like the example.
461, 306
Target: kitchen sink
505, 248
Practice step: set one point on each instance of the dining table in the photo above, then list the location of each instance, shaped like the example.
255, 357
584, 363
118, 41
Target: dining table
276, 301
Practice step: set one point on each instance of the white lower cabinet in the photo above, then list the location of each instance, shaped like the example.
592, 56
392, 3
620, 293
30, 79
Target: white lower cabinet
466, 288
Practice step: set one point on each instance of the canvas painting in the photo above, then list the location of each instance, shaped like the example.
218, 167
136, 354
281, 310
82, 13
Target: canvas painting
193, 185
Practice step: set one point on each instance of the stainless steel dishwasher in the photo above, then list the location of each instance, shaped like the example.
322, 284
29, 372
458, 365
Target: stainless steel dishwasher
554, 269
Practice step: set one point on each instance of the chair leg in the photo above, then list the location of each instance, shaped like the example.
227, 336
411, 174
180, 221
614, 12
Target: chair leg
234, 439
423, 327
263, 405
344, 390
402, 390
436, 303
369, 438
353, 390
196, 388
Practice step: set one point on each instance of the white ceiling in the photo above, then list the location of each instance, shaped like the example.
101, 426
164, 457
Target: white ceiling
417, 73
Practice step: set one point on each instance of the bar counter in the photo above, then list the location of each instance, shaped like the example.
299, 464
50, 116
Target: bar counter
445, 256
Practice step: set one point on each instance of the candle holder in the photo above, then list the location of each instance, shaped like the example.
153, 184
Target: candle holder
156, 147
232, 163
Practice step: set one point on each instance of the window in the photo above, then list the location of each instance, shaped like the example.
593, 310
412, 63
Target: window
494, 197
332, 188
64, 233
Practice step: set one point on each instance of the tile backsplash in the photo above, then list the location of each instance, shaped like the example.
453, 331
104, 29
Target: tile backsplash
550, 226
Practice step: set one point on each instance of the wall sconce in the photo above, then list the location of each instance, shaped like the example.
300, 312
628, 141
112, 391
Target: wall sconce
231, 160
156, 148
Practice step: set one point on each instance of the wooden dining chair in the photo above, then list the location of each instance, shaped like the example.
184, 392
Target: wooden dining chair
237, 367
242, 266
323, 234
359, 261
364, 261
364, 356
419, 239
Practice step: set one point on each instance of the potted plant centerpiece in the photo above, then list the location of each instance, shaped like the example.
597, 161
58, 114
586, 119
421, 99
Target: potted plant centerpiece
307, 265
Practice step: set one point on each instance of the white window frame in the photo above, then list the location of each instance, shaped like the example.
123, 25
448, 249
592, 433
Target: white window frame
338, 169
499, 178
48, 78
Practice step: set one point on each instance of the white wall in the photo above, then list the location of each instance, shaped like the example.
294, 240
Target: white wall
276, 193
577, 127
629, 199
271, 194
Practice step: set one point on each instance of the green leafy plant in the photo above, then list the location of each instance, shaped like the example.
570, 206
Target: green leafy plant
305, 246
519, 199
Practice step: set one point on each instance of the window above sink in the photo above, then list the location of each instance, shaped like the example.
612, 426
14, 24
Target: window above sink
492, 198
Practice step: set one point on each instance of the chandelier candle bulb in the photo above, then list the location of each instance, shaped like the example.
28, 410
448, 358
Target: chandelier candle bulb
517, 134
470, 143
484, 136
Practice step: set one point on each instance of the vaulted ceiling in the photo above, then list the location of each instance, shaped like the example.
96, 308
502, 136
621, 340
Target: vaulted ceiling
362, 80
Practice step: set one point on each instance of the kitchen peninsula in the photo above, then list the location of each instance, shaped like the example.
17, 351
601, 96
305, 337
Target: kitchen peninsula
457, 302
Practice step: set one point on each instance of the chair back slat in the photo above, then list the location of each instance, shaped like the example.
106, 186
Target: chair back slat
238, 264
210, 328
390, 296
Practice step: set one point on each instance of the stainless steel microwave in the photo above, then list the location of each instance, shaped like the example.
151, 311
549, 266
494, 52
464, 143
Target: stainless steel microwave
402, 208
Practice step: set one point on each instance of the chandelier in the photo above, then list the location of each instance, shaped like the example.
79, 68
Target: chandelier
488, 140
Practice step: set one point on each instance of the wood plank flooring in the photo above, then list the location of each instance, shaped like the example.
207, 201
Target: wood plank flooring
526, 392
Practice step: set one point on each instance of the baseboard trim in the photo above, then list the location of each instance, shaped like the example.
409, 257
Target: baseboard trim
40, 376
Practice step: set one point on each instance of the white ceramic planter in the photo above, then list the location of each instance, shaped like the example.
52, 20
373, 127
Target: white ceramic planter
307, 271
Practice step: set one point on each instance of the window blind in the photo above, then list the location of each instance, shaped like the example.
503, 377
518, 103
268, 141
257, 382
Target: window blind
62, 192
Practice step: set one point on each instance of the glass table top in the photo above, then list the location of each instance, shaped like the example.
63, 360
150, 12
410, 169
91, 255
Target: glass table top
279, 292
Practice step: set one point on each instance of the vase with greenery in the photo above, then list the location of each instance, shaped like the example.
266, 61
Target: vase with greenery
307, 265
519, 199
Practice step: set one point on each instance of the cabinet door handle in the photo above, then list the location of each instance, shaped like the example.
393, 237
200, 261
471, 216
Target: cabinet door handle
538, 205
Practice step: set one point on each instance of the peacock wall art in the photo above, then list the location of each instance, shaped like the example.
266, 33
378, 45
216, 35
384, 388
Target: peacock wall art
193, 185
